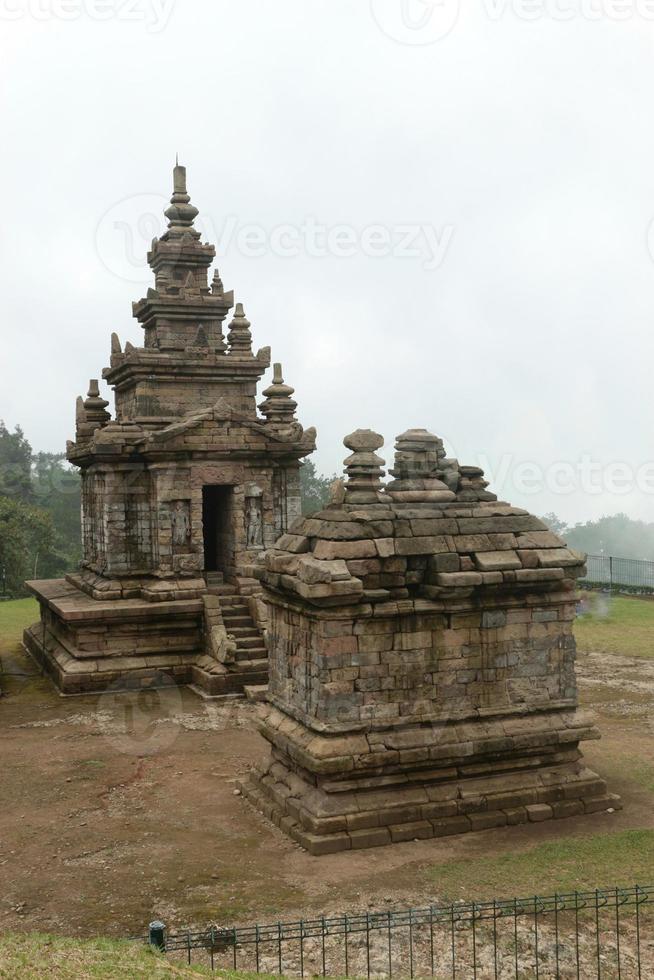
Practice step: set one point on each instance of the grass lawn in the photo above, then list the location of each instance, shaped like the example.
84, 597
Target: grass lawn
567, 864
616, 624
15, 615
32, 955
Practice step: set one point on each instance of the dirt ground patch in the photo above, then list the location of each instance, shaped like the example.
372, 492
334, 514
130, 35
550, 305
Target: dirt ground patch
120, 808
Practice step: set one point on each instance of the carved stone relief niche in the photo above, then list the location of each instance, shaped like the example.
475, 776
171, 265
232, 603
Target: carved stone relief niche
253, 516
180, 525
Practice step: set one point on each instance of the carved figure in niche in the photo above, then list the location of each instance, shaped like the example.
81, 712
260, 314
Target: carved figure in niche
254, 522
181, 523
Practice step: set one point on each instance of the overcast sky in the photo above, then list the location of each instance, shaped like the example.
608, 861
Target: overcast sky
436, 217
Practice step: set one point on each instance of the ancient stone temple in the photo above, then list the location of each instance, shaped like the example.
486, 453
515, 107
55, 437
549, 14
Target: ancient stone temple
180, 491
422, 677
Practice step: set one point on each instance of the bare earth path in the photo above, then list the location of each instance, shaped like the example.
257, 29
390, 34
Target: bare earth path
120, 808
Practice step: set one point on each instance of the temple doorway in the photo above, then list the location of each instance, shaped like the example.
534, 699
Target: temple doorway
218, 529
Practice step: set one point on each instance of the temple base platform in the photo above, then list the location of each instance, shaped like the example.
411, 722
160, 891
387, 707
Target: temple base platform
379, 787
88, 645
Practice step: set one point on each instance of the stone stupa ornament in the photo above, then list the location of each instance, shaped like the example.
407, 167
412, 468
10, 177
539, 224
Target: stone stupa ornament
279, 406
239, 338
363, 468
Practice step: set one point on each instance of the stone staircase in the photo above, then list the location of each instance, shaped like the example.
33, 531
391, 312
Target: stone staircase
251, 651
246, 669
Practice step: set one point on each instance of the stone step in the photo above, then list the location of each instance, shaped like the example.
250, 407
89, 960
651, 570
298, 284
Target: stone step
249, 642
230, 601
221, 590
252, 652
234, 608
237, 621
256, 692
253, 666
245, 631
251, 656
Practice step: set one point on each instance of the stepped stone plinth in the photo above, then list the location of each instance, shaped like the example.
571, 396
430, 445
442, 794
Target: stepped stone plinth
422, 661
181, 492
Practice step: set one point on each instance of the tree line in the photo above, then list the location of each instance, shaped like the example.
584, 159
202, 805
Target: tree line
39, 513
617, 535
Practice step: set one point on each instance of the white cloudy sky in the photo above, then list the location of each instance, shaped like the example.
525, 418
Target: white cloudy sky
515, 139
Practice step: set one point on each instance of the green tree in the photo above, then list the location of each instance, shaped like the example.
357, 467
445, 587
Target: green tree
27, 544
39, 513
314, 488
555, 524
56, 489
15, 464
617, 535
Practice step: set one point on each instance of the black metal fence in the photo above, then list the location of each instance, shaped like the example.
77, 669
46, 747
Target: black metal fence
623, 573
606, 933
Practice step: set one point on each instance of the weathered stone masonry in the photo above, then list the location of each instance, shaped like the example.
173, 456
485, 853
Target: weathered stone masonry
180, 492
422, 661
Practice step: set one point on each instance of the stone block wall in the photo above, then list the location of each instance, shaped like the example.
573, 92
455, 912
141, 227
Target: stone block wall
428, 665
128, 511
156, 398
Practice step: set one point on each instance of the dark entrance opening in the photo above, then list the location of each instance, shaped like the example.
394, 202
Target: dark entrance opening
218, 529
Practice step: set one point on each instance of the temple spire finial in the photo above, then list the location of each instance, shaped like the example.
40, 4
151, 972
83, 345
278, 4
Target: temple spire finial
181, 213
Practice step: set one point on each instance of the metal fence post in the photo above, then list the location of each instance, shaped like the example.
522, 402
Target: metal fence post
611, 573
157, 935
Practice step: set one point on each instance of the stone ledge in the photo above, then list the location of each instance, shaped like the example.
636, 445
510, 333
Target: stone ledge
70, 604
279, 812
72, 677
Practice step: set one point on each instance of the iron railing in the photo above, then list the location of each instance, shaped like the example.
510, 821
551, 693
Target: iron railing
605, 933
627, 573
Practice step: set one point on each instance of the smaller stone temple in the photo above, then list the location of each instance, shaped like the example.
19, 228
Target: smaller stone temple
422, 661
181, 492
